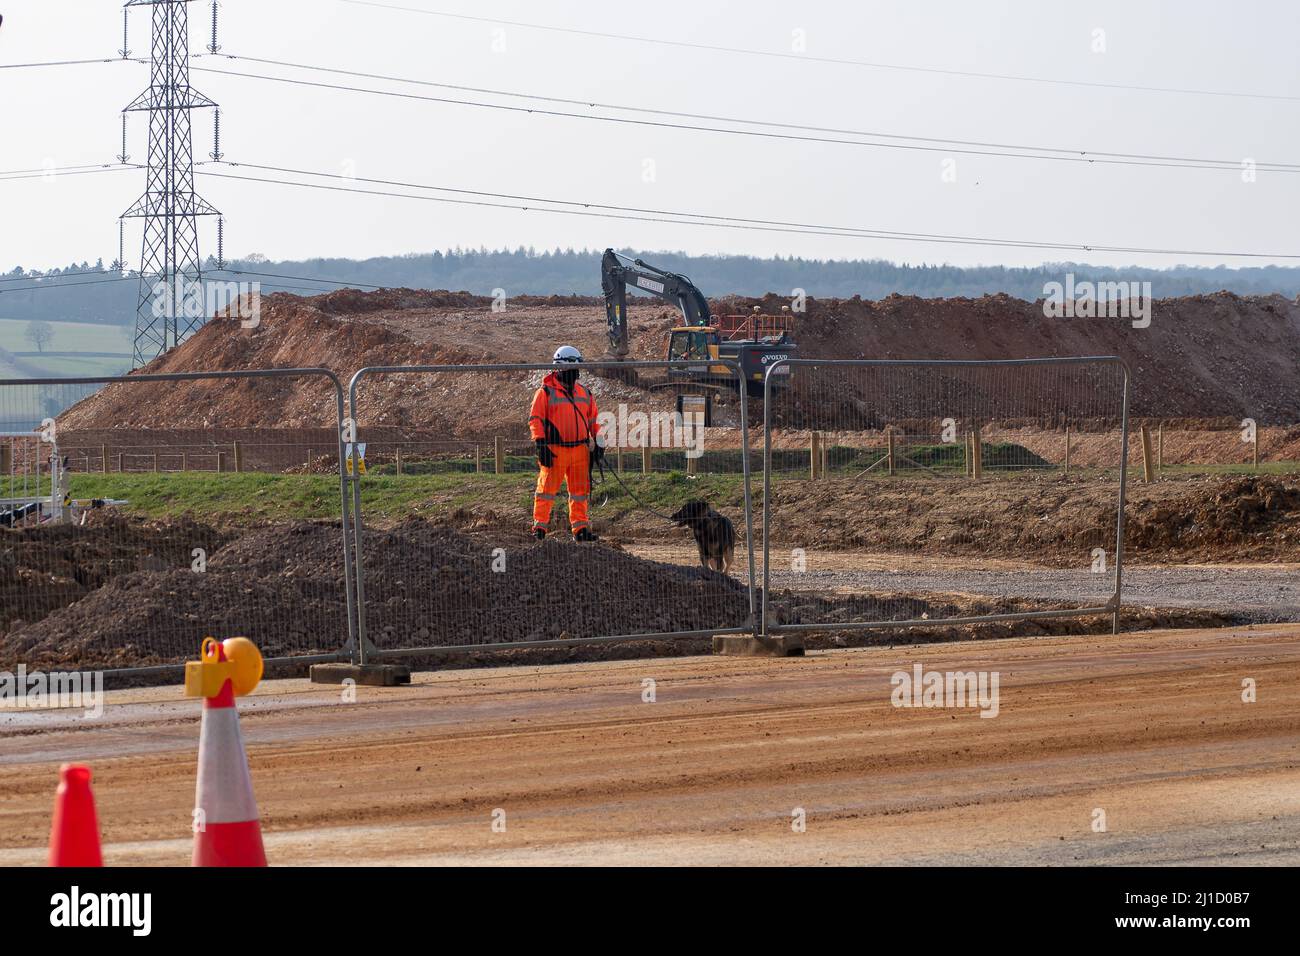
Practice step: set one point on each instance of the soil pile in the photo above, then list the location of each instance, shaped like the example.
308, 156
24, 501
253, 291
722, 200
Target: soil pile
1202, 357
427, 585
1046, 519
46, 568
1246, 515
1190, 361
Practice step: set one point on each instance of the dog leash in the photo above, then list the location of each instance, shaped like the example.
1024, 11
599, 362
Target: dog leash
600, 464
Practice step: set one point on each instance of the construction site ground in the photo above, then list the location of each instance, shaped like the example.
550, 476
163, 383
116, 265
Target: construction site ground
1148, 726
121, 592
1151, 729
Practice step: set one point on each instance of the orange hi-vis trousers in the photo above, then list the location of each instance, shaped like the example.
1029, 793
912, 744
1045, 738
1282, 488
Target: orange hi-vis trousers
571, 467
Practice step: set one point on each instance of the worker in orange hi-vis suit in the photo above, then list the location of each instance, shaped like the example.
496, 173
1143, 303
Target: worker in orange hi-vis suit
563, 424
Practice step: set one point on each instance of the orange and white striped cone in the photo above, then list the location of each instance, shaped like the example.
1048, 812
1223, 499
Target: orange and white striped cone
226, 827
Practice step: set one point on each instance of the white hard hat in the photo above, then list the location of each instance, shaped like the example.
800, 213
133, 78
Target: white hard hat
566, 353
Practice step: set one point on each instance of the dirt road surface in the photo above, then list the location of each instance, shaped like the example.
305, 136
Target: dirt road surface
1149, 728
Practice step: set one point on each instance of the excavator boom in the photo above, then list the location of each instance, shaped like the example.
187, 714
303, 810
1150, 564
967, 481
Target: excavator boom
618, 272
697, 338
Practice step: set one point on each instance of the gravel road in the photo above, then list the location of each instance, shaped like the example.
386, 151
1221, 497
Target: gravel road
1256, 594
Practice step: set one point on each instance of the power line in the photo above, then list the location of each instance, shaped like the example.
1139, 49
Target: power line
279, 275
714, 48
697, 219
658, 124
21, 66
83, 172
56, 275
105, 272
1075, 153
314, 290
46, 286
68, 285
63, 171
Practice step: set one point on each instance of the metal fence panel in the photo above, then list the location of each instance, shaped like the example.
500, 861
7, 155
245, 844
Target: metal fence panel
427, 588
83, 585
909, 443
100, 573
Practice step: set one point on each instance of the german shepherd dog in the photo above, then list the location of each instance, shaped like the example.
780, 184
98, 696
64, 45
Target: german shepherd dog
713, 532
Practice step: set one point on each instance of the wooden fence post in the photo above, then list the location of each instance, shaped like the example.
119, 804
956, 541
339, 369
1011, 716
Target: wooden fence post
239, 457
814, 455
976, 453
646, 459
1067, 449
185, 461
221, 462
478, 458
618, 459
1160, 447
889, 450
399, 460
499, 452
121, 460
103, 458
1147, 456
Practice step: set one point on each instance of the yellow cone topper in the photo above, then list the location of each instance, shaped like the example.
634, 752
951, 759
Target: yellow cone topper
235, 659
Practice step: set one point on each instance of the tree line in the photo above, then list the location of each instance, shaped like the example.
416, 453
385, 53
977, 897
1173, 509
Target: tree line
71, 294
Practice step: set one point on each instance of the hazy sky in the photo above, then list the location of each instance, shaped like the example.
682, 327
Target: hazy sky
67, 116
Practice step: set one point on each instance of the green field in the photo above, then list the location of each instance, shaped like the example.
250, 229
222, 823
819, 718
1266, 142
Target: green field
68, 337
64, 357
260, 496
279, 497
66, 352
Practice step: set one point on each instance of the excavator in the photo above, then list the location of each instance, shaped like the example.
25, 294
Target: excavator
751, 341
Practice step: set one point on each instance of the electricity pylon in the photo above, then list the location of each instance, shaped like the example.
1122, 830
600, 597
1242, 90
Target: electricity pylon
169, 262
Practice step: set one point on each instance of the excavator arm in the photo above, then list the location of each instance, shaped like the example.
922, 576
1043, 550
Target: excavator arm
618, 272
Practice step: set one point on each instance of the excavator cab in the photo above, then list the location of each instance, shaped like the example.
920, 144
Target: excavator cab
692, 343
695, 343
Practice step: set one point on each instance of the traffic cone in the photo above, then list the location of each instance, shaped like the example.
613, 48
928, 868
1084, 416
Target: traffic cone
74, 834
226, 827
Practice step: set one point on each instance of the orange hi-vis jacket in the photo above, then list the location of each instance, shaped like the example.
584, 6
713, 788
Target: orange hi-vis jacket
562, 416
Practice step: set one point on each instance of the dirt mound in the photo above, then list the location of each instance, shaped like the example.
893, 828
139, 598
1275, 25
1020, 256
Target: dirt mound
1202, 357
427, 585
46, 568
161, 617
1188, 363
1046, 518
1243, 513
